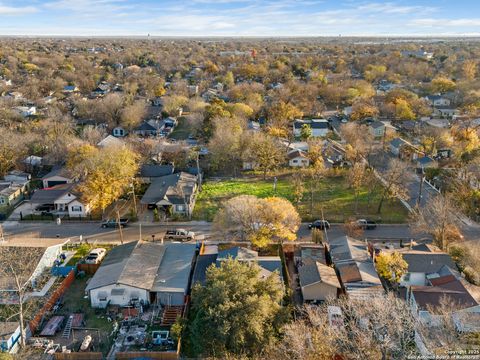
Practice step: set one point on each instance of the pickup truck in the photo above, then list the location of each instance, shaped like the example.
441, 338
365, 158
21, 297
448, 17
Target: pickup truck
112, 223
366, 224
179, 234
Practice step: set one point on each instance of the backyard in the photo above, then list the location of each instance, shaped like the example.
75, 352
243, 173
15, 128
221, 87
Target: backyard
332, 195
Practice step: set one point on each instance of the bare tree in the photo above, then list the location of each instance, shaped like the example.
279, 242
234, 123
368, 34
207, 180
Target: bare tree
438, 218
395, 181
15, 280
382, 330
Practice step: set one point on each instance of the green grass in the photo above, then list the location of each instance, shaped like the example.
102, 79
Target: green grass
80, 253
182, 130
74, 301
331, 194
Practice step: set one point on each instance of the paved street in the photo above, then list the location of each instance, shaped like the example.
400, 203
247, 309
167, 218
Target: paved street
203, 230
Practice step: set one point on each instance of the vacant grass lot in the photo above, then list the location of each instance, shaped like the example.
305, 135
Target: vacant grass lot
331, 194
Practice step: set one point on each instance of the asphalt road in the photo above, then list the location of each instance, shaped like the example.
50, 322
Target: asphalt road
92, 231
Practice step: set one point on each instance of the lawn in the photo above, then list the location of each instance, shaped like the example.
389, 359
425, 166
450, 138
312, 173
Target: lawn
332, 194
182, 130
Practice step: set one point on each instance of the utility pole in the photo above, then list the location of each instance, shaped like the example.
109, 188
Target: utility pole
119, 226
422, 179
134, 199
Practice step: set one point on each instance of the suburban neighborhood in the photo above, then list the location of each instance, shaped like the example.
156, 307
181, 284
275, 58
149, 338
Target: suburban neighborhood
239, 198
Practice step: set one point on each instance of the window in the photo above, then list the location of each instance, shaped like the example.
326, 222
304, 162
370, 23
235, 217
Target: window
294, 161
76, 208
2, 200
180, 208
102, 296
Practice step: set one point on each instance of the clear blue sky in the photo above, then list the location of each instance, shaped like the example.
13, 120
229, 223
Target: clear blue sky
239, 17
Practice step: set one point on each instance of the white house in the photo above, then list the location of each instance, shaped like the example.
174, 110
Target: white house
9, 336
119, 132
59, 175
61, 200
319, 127
438, 100
163, 277
298, 158
26, 111
40, 255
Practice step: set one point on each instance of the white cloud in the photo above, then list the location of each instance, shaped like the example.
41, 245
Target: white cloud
22, 10
446, 22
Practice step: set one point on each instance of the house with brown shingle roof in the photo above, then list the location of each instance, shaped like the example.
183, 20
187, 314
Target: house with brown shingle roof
443, 293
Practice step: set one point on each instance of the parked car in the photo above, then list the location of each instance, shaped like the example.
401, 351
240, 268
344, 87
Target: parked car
44, 210
95, 256
319, 224
112, 223
179, 234
366, 224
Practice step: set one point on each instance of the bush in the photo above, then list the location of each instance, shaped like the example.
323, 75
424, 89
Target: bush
472, 276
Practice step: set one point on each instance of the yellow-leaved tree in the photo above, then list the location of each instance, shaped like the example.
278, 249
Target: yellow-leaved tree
260, 221
391, 266
105, 173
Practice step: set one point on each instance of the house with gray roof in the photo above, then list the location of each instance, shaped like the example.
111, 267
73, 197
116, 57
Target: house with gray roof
423, 265
63, 199
175, 193
355, 267
377, 129
58, 175
318, 281
149, 172
143, 272
268, 264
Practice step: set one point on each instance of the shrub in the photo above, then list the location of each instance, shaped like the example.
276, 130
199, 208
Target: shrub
472, 276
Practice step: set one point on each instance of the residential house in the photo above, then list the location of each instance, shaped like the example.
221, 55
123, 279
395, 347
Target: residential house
269, 265
446, 112
18, 177
150, 172
33, 161
163, 277
110, 140
396, 145
377, 129
101, 90
438, 100
425, 263
26, 111
62, 199
318, 281
9, 336
420, 54
68, 89
40, 255
298, 158
119, 132
319, 127
58, 175
447, 292
192, 90
355, 267
426, 162
157, 101
10, 193
149, 128
174, 194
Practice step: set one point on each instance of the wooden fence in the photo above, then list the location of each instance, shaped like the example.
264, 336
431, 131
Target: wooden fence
34, 324
158, 355
79, 356
89, 269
